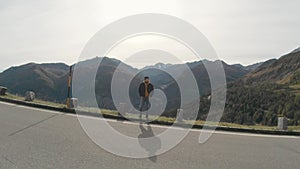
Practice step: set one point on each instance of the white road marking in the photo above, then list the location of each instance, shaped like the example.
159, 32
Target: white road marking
155, 125
11, 104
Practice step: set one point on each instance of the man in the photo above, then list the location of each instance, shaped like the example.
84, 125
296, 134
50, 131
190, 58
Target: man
145, 90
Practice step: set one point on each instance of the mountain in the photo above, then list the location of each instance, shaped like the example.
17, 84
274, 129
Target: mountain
158, 75
256, 94
280, 71
48, 81
157, 66
269, 91
249, 67
296, 50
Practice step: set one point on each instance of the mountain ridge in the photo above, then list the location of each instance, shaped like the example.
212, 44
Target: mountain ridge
256, 94
21, 78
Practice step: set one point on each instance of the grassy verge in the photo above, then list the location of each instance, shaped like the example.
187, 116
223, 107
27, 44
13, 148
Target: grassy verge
37, 101
157, 119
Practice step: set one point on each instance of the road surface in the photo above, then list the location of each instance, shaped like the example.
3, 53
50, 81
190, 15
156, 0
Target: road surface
32, 138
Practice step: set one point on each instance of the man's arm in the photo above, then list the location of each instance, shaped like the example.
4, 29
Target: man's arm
151, 89
140, 89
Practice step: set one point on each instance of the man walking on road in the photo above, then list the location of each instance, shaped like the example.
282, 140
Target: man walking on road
145, 90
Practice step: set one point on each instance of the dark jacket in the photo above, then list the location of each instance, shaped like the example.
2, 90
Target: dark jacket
142, 89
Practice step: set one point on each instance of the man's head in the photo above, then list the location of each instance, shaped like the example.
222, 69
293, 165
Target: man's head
146, 79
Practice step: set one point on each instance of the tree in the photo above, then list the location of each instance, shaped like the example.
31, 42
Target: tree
297, 118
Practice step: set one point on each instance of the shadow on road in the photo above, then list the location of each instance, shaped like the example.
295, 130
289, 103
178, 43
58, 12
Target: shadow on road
149, 141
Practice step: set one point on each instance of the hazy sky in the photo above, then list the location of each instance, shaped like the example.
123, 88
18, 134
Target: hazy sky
241, 31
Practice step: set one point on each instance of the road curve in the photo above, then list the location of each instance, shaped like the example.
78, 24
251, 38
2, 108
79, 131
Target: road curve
32, 138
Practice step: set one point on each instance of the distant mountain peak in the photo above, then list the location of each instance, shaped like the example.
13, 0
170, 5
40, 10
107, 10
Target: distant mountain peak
248, 67
158, 65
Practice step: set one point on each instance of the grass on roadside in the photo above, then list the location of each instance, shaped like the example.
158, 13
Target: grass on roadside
152, 117
37, 101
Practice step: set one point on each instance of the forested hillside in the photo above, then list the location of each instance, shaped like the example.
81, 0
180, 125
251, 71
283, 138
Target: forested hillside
269, 91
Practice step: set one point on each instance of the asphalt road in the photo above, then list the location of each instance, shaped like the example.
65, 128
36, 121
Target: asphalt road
32, 138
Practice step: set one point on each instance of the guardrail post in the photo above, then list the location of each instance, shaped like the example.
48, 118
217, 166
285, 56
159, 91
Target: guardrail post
122, 109
180, 115
3, 90
282, 123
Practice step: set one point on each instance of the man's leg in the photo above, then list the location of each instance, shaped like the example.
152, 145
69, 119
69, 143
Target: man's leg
147, 105
142, 100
